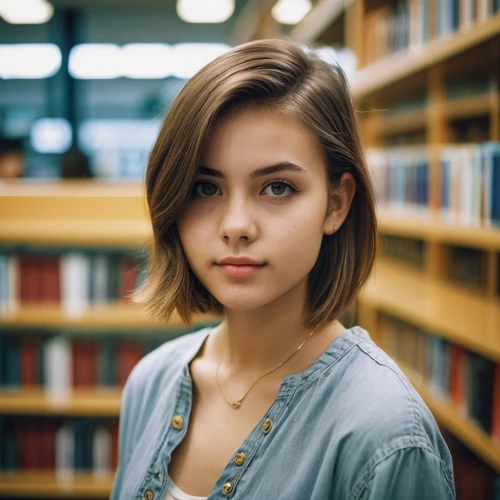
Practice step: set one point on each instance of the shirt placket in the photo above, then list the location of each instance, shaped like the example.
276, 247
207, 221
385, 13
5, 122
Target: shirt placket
154, 483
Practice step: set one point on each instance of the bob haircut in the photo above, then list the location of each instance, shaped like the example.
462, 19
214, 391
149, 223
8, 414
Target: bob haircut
279, 75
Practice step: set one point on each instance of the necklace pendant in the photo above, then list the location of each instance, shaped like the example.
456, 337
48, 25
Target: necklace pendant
236, 404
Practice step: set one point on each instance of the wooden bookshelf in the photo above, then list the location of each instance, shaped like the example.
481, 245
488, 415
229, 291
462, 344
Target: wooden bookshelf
467, 107
450, 418
430, 228
442, 308
398, 66
47, 484
119, 315
99, 402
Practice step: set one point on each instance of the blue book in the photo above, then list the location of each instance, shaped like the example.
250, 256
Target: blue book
494, 152
11, 362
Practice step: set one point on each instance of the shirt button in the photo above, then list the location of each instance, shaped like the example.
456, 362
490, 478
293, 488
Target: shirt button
177, 422
267, 425
227, 489
148, 495
239, 459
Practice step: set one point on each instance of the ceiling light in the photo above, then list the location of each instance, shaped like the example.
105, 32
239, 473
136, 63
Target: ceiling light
290, 11
146, 60
51, 135
29, 60
95, 60
204, 11
26, 11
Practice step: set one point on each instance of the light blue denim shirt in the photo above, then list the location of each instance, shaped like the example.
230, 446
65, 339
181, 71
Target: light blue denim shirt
349, 427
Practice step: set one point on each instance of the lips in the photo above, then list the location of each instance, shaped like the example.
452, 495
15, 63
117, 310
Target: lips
240, 267
240, 261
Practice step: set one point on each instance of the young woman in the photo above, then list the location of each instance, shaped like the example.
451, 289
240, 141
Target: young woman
262, 210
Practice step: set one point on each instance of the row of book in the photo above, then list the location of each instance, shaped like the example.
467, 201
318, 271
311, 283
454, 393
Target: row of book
74, 278
64, 446
470, 184
401, 178
59, 363
408, 24
406, 250
468, 381
469, 179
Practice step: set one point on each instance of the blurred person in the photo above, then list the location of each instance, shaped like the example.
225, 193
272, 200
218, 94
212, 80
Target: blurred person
262, 211
11, 158
75, 164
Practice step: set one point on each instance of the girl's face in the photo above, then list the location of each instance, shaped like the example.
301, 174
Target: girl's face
260, 194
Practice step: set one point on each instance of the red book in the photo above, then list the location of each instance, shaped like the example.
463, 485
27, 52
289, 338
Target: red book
457, 392
84, 358
51, 280
129, 354
128, 278
29, 362
48, 445
113, 431
495, 428
29, 280
28, 443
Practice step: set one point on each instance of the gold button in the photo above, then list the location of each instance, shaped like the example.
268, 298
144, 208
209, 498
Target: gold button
148, 495
267, 425
177, 422
227, 489
239, 459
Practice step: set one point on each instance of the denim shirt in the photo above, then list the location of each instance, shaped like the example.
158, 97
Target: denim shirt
349, 427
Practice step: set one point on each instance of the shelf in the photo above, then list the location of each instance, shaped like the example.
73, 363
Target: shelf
131, 234
324, 13
100, 402
49, 484
115, 315
431, 229
459, 316
379, 75
468, 107
402, 123
74, 213
451, 419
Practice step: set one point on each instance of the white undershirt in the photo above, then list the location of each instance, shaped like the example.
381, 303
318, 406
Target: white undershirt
172, 492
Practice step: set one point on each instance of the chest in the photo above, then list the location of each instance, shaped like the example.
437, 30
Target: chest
214, 439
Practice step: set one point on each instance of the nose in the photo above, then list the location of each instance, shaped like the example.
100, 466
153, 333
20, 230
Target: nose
237, 221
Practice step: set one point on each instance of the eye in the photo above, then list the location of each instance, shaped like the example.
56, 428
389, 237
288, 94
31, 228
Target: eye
205, 189
279, 189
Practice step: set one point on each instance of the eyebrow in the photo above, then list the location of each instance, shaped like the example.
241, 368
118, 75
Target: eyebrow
284, 166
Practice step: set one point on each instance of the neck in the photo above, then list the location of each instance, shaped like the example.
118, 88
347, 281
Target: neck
254, 341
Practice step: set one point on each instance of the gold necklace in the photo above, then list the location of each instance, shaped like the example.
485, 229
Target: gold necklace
236, 404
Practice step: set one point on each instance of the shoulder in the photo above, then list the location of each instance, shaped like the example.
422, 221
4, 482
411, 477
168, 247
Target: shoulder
158, 371
387, 416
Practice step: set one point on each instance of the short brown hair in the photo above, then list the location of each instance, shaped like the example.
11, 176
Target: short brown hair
279, 75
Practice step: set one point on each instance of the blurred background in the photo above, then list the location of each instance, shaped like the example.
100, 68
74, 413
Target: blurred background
84, 87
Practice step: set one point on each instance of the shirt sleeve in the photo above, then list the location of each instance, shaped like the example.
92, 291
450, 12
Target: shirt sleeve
410, 474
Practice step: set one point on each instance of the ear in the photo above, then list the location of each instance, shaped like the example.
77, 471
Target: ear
339, 203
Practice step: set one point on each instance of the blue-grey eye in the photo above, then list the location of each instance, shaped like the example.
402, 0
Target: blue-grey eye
205, 189
277, 189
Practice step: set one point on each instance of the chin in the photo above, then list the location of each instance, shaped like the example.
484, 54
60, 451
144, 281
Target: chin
242, 301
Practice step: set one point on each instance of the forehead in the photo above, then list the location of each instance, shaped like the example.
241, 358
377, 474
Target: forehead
254, 138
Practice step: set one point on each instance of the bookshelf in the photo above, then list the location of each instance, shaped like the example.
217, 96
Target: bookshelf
43, 485
427, 91
53, 219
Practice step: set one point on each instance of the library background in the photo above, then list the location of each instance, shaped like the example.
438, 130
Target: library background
80, 105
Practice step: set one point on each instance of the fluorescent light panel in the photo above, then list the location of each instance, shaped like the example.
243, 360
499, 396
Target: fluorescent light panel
106, 61
30, 60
